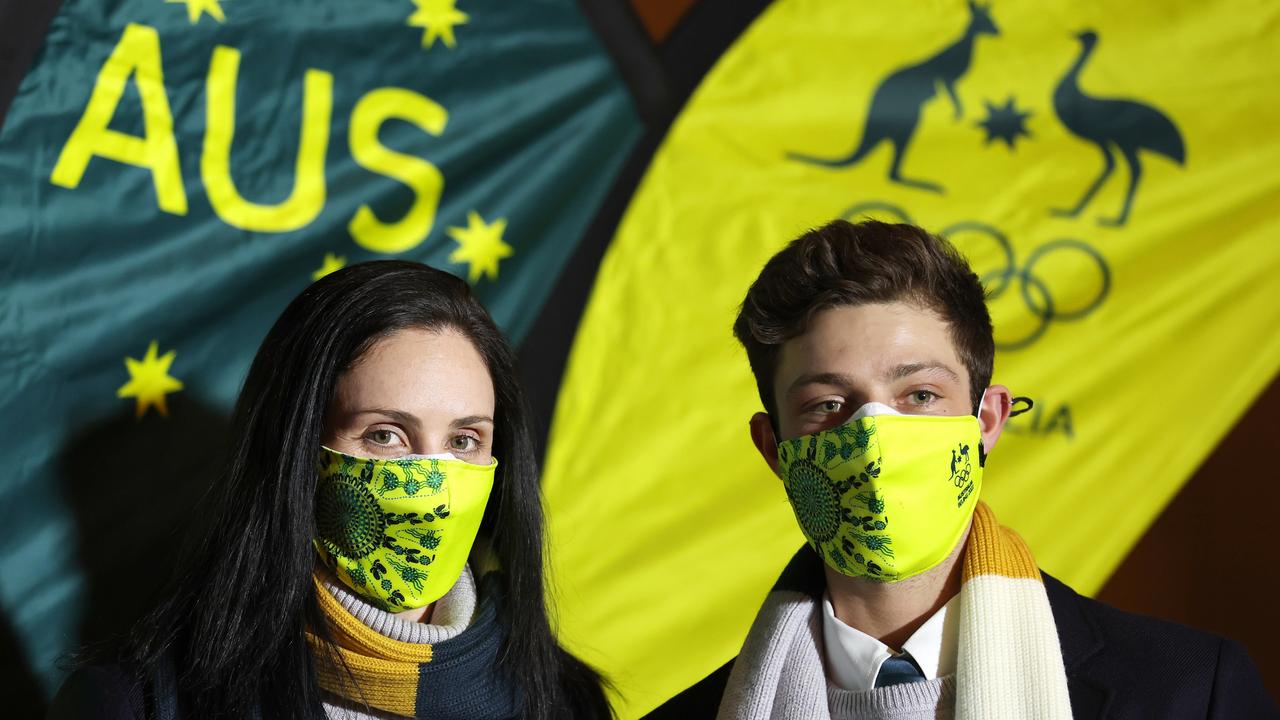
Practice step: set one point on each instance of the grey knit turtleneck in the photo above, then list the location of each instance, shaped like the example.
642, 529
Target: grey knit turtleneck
928, 700
449, 617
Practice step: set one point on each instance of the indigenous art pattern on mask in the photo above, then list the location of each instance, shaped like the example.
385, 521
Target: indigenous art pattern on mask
381, 524
824, 505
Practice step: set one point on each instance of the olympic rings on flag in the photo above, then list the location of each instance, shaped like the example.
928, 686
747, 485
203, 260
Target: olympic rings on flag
1033, 288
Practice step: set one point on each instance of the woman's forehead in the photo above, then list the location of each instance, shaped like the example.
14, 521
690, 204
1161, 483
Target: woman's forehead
425, 373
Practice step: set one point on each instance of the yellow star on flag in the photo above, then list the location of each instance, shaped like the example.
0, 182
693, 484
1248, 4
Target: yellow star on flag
195, 8
331, 262
149, 380
481, 245
437, 19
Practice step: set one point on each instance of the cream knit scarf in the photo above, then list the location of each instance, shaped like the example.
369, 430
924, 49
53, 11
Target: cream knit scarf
1009, 665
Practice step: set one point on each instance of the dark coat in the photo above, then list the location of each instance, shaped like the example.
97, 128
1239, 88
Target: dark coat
1120, 666
462, 681
108, 692
465, 680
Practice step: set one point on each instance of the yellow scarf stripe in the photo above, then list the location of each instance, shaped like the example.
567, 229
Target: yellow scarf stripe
383, 684
385, 670
354, 635
996, 550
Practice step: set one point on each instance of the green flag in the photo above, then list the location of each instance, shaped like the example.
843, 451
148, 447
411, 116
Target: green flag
173, 172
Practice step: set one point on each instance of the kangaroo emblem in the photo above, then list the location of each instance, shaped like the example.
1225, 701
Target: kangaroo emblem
1129, 126
896, 104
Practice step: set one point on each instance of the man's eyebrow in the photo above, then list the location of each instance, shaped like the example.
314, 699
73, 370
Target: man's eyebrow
471, 420
908, 369
822, 378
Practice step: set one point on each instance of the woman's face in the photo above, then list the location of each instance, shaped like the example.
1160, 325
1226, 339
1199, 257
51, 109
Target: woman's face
416, 392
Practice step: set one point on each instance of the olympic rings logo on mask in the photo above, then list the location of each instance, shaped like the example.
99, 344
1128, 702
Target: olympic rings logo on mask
1032, 287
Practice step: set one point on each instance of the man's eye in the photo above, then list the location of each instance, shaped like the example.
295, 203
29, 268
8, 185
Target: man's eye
831, 406
923, 397
463, 443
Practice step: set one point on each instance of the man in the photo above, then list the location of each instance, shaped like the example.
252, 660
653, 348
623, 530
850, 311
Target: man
872, 350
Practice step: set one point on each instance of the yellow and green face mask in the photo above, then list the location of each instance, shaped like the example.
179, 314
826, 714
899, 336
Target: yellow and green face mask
398, 532
885, 496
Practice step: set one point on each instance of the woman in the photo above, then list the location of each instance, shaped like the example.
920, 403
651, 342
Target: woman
379, 411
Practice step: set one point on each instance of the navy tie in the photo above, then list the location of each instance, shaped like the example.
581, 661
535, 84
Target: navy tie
899, 670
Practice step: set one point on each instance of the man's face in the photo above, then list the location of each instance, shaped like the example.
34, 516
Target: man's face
898, 354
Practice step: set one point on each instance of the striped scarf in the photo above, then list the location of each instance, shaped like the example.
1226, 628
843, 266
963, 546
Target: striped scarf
1009, 664
386, 671
447, 680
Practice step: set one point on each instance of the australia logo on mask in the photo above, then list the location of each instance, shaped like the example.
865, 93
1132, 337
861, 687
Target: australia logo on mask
830, 480
962, 473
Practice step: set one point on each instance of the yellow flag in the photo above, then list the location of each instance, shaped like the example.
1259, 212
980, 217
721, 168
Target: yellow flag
1113, 174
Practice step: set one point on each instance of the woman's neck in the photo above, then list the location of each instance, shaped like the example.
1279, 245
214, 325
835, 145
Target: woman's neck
418, 615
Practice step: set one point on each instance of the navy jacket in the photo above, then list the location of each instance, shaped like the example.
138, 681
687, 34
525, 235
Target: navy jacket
1120, 666
462, 681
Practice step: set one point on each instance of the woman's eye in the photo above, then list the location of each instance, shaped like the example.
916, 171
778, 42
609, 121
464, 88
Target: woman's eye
382, 437
830, 406
463, 443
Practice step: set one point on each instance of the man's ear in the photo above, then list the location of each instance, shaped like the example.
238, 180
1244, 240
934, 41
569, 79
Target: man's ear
993, 414
766, 442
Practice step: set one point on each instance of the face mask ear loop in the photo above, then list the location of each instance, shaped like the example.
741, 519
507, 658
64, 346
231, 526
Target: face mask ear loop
982, 451
1029, 404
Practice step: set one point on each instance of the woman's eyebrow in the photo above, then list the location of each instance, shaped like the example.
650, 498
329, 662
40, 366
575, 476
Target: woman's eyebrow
399, 416
471, 420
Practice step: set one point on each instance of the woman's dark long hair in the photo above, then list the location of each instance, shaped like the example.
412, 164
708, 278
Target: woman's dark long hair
235, 618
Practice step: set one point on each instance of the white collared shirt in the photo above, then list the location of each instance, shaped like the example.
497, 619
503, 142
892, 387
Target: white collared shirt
853, 658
